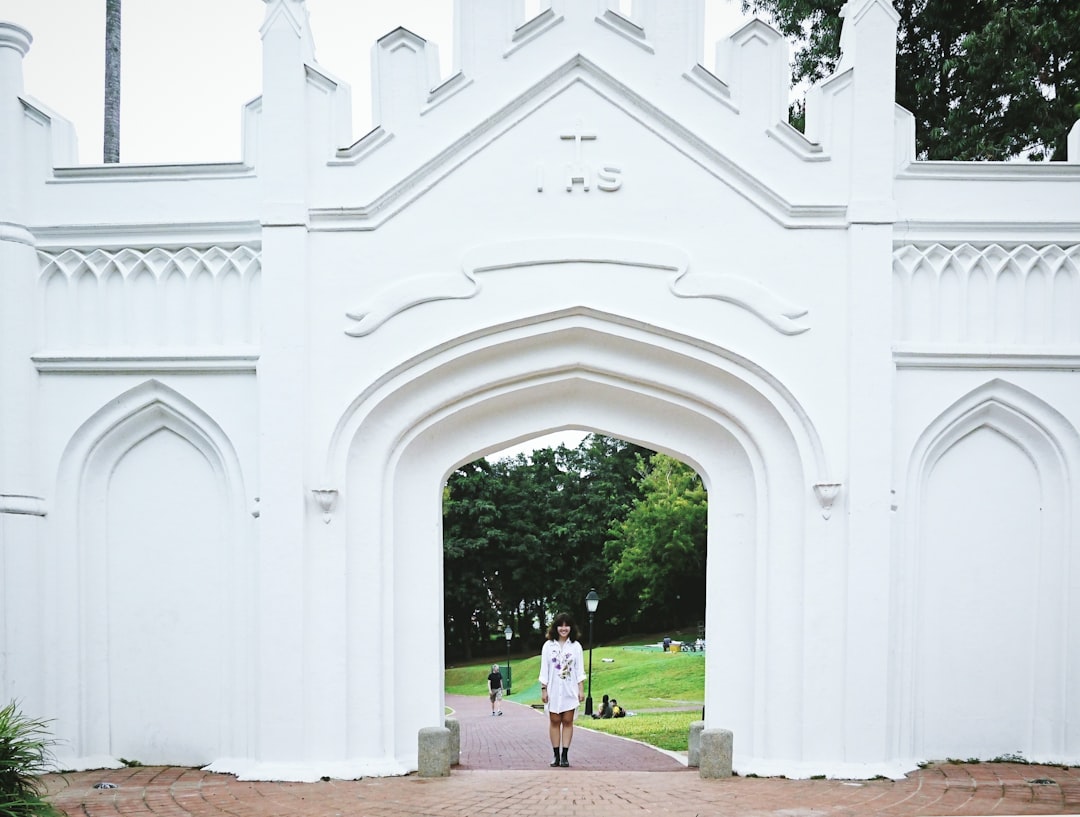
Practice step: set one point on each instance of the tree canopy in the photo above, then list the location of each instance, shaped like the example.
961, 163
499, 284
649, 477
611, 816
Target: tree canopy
992, 80
527, 537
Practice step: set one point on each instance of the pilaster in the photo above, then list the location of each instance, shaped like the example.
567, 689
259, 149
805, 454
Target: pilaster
869, 42
282, 379
22, 503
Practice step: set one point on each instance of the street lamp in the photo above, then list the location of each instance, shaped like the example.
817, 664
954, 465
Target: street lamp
509, 633
592, 601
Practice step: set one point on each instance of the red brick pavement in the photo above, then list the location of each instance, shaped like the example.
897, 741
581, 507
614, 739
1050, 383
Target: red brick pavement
518, 739
496, 778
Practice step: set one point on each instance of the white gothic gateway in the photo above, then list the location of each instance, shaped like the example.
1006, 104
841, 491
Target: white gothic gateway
231, 393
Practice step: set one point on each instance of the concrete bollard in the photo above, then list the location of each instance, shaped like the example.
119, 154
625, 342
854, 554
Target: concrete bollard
693, 758
715, 755
455, 740
433, 757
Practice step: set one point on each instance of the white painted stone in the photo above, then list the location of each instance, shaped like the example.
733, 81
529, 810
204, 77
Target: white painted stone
230, 394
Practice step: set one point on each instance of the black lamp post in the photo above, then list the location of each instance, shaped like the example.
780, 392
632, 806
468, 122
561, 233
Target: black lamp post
509, 633
592, 601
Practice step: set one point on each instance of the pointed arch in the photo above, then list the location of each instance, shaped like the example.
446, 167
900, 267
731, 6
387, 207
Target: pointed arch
1015, 450
739, 427
150, 506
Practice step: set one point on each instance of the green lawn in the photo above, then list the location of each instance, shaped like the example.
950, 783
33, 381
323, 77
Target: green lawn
665, 730
641, 679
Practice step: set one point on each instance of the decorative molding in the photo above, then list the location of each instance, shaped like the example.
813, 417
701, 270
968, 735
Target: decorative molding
326, 498
151, 172
750, 295
919, 356
711, 84
795, 142
826, 493
627, 29
996, 171
445, 90
16, 233
531, 29
171, 237
195, 362
362, 147
15, 37
22, 504
953, 232
579, 70
966, 296
184, 300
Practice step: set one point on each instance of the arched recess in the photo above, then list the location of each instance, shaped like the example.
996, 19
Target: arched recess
150, 607
988, 662
395, 445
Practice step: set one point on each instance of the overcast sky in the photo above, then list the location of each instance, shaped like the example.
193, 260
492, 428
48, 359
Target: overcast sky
188, 66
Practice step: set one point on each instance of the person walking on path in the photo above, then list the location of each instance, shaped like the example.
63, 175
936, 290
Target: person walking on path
562, 684
495, 689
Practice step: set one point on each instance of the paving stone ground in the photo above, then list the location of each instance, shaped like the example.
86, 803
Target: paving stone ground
504, 771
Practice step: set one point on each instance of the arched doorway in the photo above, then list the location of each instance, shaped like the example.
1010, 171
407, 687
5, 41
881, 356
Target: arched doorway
579, 368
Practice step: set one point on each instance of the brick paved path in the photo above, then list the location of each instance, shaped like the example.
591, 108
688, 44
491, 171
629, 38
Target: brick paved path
500, 774
518, 739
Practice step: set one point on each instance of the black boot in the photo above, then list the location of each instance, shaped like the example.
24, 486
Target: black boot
565, 761
555, 762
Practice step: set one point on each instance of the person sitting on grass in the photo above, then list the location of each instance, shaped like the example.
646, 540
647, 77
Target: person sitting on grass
605, 709
616, 710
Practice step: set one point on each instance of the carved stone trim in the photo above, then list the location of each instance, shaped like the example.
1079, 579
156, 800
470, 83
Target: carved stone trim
969, 297
532, 29
750, 295
627, 29
194, 363
22, 504
325, 498
826, 493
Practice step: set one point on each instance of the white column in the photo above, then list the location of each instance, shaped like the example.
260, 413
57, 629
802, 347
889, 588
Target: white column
869, 40
21, 491
282, 383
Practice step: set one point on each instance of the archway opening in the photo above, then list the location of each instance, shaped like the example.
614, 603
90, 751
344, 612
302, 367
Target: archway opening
528, 533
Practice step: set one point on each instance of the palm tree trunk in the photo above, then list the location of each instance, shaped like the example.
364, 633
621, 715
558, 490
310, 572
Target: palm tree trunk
112, 81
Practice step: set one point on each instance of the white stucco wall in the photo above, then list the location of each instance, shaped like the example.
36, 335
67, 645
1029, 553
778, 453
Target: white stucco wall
230, 394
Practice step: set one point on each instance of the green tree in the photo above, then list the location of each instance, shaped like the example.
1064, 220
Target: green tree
658, 551
470, 524
985, 80
602, 485
524, 538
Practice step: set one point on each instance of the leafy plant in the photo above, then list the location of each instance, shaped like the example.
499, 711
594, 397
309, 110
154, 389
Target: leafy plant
25, 754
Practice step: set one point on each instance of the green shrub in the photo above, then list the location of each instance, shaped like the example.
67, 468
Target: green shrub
25, 753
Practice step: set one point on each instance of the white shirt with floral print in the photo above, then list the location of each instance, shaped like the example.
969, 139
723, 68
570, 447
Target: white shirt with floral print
562, 668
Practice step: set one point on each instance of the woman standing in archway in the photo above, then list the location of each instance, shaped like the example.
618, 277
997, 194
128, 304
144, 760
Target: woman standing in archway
562, 683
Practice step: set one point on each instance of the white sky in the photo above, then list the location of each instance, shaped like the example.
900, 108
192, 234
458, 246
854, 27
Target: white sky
188, 66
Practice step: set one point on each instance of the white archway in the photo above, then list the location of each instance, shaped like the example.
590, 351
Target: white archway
745, 435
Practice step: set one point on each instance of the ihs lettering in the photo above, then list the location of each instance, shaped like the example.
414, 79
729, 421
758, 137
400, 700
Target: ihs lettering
608, 176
